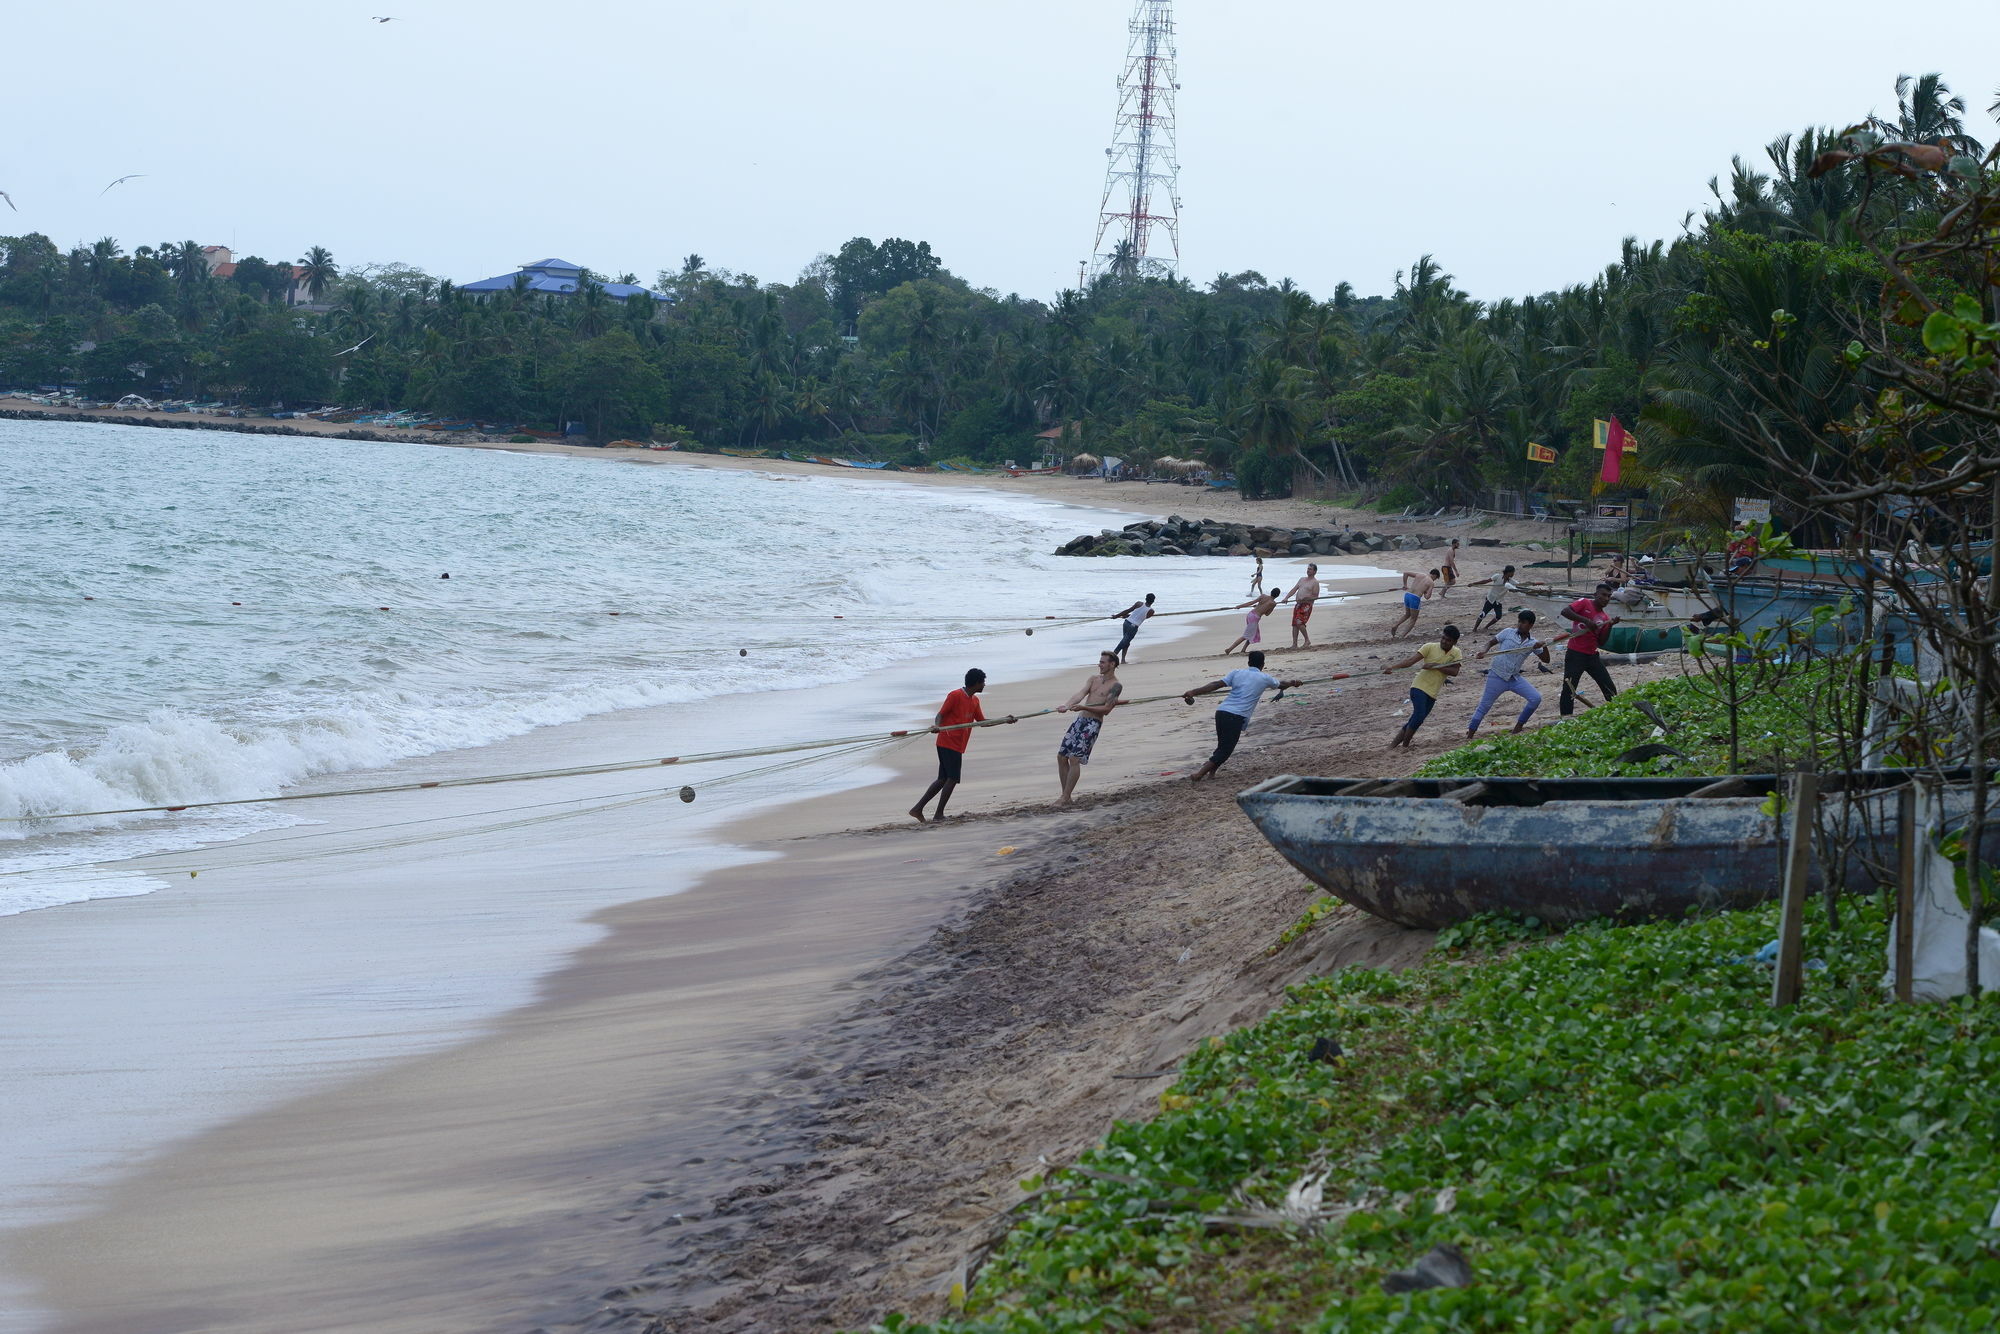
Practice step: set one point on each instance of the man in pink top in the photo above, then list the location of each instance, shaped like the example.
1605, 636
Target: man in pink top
1580, 657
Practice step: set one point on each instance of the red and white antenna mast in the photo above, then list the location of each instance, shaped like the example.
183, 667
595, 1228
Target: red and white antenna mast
1139, 223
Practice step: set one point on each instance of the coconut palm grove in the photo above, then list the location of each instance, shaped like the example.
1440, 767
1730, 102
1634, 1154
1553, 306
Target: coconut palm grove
1424, 395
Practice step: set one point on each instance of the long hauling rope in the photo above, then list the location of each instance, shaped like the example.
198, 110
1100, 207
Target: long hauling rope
621, 766
616, 801
586, 770
832, 749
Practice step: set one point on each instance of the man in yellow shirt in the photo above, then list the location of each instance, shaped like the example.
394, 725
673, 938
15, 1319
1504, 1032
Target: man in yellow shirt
1441, 660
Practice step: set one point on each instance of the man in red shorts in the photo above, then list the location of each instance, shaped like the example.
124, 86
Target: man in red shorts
1305, 592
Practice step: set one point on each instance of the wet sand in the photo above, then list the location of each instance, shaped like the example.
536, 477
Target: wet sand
799, 1091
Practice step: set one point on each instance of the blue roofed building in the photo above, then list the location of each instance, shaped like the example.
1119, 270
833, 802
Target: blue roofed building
551, 277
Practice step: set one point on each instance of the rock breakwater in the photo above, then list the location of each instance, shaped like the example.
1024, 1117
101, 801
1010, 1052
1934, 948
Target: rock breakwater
1176, 536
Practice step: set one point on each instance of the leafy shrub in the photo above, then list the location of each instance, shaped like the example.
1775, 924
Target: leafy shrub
1263, 475
520, 440
670, 432
1400, 497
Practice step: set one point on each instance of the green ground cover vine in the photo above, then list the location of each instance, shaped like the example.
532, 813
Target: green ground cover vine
1309, 919
1614, 1126
1771, 722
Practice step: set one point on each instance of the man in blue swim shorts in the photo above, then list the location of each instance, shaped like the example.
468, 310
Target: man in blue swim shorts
1416, 587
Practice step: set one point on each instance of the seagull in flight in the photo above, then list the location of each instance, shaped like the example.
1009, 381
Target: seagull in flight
10, 200
357, 347
375, 18
120, 181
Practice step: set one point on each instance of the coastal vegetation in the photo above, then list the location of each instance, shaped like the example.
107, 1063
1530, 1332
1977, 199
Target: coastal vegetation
1780, 718
1613, 1128
1422, 395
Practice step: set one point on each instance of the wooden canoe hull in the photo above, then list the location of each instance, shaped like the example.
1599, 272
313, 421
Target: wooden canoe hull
1562, 850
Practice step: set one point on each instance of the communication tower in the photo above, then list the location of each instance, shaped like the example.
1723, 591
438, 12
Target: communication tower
1139, 222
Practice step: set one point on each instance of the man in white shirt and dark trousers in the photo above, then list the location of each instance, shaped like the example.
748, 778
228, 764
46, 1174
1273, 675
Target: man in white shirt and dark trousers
1515, 643
1134, 617
1495, 603
1246, 685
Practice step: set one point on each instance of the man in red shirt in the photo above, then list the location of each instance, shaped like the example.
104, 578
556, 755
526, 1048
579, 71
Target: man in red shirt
960, 707
1580, 656
1743, 551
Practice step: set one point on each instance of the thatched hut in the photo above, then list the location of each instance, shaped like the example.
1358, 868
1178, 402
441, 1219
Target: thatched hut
1084, 464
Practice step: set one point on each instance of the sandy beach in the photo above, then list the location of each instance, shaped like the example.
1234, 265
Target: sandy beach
803, 1090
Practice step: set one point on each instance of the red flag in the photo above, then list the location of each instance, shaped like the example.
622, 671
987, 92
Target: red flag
1614, 451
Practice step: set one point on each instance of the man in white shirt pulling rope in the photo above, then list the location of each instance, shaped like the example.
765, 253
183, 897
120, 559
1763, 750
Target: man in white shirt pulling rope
1515, 642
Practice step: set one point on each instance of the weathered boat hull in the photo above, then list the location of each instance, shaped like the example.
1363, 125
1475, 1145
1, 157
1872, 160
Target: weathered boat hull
1666, 607
1562, 850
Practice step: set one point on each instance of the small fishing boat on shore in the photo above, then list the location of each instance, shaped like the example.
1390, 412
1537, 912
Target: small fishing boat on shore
1427, 852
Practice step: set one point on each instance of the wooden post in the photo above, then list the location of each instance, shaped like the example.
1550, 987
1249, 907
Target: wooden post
1798, 865
1907, 835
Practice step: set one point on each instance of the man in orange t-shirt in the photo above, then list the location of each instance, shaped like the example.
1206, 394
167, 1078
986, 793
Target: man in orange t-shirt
960, 707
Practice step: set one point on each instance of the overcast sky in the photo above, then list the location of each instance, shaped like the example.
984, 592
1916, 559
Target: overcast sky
1320, 140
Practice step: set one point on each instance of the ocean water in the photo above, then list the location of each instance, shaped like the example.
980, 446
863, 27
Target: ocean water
209, 616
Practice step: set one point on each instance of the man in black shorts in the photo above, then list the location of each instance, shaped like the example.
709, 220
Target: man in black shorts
1495, 604
956, 718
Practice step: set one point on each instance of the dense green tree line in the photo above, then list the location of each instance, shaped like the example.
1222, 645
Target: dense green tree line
1424, 392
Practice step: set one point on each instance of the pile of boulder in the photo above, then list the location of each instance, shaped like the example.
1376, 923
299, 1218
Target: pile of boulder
1175, 536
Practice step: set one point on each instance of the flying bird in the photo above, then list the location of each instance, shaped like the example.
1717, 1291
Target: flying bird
10, 200
378, 19
120, 181
356, 348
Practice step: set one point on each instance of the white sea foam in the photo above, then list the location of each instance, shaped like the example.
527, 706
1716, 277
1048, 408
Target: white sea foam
206, 622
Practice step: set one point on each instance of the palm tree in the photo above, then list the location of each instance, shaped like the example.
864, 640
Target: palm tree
637, 313
1927, 112
190, 266
320, 271
1273, 415
103, 251
593, 311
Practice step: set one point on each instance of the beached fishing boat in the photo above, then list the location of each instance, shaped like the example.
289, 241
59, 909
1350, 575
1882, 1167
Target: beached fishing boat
1660, 606
1430, 852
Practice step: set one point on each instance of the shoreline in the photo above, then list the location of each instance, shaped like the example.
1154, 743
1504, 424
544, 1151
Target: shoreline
744, 923
552, 1146
1152, 500
105, 991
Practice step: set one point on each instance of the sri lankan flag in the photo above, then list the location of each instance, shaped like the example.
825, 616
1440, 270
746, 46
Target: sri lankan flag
1540, 453
1600, 434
